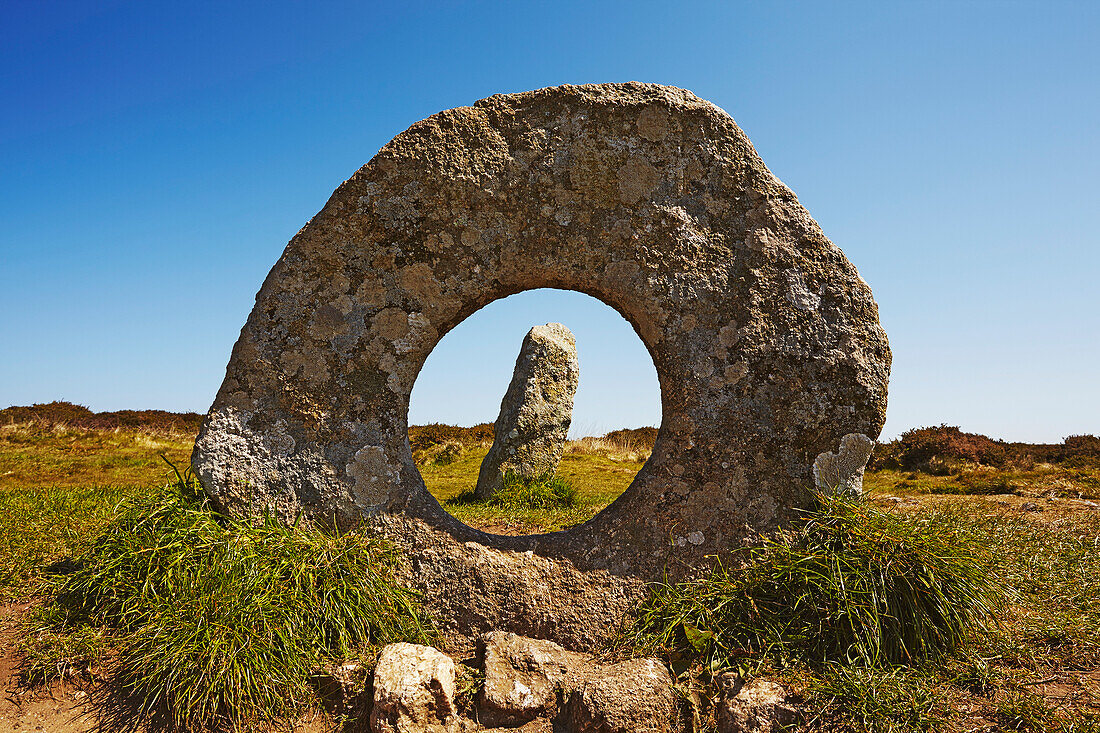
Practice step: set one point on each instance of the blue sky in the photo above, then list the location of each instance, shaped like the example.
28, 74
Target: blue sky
156, 157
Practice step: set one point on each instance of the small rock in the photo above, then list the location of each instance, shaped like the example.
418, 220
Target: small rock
634, 696
414, 689
1030, 506
536, 411
756, 706
524, 678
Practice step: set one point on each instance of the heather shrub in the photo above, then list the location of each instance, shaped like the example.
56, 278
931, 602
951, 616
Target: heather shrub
58, 411
1081, 451
65, 413
439, 454
423, 437
946, 450
937, 448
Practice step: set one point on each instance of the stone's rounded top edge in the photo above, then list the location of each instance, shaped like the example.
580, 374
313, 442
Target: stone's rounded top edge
607, 93
483, 124
553, 331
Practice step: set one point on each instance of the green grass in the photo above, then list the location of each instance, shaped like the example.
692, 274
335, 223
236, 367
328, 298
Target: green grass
40, 526
800, 607
1052, 617
519, 494
853, 585
56, 646
59, 486
894, 700
596, 479
220, 621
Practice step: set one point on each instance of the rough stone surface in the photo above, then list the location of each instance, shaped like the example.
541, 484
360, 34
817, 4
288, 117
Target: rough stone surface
766, 342
842, 472
634, 696
414, 689
529, 684
524, 678
756, 706
539, 725
529, 434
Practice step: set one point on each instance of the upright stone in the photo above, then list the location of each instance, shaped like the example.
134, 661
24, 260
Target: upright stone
530, 431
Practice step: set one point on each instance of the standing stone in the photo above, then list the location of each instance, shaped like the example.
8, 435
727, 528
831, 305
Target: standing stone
766, 342
530, 431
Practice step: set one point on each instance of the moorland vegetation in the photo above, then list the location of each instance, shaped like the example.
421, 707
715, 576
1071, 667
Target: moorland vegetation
964, 594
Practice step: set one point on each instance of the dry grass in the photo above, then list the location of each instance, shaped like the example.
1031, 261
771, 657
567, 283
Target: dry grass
620, 450
598, 480
50, 455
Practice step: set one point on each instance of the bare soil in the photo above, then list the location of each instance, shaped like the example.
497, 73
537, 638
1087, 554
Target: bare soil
74, 705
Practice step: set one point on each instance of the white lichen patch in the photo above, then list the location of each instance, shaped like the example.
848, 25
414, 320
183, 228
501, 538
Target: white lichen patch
799, 294
842, 472
374, 477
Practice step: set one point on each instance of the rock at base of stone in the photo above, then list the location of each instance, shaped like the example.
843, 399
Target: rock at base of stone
634, 696
414, 689
524, 678
756, 706
527, 680
841, 473
535, 414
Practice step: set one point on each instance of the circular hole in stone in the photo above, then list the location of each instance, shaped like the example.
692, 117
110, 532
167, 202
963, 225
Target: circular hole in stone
457, 398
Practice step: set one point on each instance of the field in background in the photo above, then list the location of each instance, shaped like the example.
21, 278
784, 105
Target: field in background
599, 468
63, 469
1038, 506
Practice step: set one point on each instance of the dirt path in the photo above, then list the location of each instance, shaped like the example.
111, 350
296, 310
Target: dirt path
66, 706
59, 708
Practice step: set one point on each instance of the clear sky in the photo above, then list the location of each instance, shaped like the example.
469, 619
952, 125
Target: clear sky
156, 157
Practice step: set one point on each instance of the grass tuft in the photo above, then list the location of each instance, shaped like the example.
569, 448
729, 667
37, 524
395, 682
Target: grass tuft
222, 622
522, 494
895, 700
55, 648
852, 585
